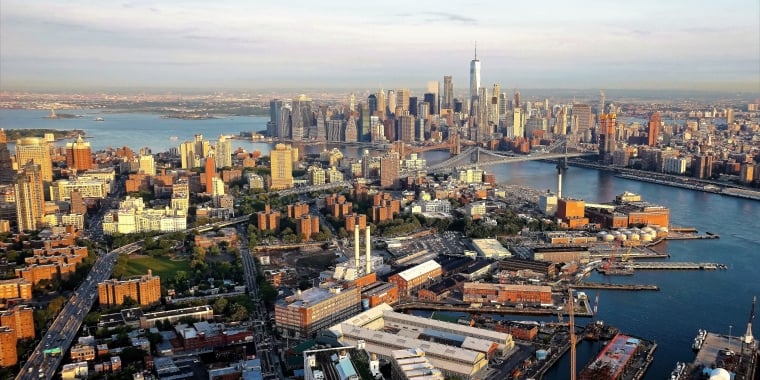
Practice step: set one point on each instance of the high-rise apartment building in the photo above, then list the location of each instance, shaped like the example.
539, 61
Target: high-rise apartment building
35, 150
21, 319
655, 123
210, 173
145, 290
381, 104
582, 119
223, 152
268, 220
390, 166
187, 154
30, 197
448, 93
147, 165
79, 155
474, 75
8, 353
281, 161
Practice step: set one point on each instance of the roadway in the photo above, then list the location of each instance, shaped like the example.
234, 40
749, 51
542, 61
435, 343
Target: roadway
266, 345
65, 327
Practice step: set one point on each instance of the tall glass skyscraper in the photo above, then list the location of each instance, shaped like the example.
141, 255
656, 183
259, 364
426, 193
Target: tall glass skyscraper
474, 75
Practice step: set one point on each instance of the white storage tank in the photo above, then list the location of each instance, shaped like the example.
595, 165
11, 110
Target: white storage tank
609, 237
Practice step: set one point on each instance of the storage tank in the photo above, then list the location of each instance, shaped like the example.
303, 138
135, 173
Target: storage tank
601, 235
622, 237
609, 237
663, 229
647, 229
646, 237
635, 237
542, 354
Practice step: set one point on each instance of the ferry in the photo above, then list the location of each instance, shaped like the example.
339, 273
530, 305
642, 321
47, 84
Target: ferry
99, 119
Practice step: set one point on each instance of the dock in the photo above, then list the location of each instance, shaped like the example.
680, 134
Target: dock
723, 351
583, 310
690, 235
672, 265
603, 286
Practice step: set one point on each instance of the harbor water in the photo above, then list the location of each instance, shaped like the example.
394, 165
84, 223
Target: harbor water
688, 300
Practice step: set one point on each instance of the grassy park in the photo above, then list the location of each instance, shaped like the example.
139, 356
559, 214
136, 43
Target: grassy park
161, 266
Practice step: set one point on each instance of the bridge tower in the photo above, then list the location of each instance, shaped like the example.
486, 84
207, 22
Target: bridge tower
455, 147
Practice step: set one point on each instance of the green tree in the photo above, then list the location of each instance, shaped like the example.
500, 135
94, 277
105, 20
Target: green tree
220, 305
238, 312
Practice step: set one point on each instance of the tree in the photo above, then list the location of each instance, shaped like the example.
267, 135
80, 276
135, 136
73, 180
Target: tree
220, 305
128, 302
239, 312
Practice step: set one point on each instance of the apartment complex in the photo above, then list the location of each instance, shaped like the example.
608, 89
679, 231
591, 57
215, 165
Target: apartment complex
145, 290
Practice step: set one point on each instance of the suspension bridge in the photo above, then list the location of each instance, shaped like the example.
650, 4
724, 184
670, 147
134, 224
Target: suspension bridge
479, 157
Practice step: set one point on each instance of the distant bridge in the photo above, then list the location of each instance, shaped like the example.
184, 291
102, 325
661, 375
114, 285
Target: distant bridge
479, 157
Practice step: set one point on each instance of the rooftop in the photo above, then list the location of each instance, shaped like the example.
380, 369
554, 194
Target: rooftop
419, 270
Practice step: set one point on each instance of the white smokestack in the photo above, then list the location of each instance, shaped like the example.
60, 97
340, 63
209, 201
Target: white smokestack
369, 251
559, 185
356, 246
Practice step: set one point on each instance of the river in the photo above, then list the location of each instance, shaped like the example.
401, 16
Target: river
688, 300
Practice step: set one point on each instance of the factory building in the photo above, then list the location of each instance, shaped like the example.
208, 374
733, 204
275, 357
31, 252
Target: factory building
474, 292
307, 312
416, 277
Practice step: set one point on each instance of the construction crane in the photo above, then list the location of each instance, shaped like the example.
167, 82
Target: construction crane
571, 325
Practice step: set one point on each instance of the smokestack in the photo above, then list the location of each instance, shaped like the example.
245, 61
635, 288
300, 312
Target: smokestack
559, 184
356, 247
369, 251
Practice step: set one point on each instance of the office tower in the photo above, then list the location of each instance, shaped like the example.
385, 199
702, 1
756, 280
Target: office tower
322, 123
582, 119
423, 111
474, 75
35, 150
372, 103
391, 99
448, 93
223, 153
413, 106
560, 122
606, 137
7, 174
352, 102
518, 104
402, 99
210, 173
79, 155
517, 125
147, 166
275, 118
30, 197
281, 160
334, 130
365, 123
730, 116
381, 104
390, 165
405, 125
434, 88
432, 100
301, 117
351, 133
655, 122
495, 104
602, 101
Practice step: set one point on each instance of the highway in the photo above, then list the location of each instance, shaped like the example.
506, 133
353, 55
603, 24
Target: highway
65, 327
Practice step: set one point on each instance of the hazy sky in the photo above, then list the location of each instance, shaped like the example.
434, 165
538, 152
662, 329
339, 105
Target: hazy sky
670, 44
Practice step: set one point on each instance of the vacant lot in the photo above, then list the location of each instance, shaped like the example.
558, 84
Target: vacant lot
163, 267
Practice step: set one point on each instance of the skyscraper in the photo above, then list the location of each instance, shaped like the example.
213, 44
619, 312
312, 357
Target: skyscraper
79, 155
582, 119
655, 122
7, 174
281, 160
223, 152
381, 104
301, 118
35, 150
448, 93
273, 127
431, 98
402, 99
372, 102
147, 165
474, 75
187, 154
606, 137
30, 197
405, 128
391, 99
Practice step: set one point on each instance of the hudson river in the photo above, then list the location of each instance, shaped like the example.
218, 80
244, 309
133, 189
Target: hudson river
688, 300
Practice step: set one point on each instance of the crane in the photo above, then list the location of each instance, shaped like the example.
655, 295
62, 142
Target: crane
571, 324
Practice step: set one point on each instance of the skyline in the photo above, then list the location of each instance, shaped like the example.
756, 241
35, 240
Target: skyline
647, 45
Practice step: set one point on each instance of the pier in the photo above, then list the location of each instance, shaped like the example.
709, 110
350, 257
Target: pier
603, 286
677, 235
675, 266
583, 311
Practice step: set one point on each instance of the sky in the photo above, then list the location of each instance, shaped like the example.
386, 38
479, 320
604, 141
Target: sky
582, 44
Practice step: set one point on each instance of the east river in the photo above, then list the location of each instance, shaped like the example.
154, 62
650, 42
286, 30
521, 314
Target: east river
688, 300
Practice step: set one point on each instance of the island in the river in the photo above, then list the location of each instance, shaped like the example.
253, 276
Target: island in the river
60, 134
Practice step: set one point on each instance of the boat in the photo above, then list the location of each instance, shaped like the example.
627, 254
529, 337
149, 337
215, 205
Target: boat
699, 340
678, 372
99, 119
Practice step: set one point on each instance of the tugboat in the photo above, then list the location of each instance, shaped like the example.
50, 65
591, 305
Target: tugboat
678, 371
98, 119
699, 340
